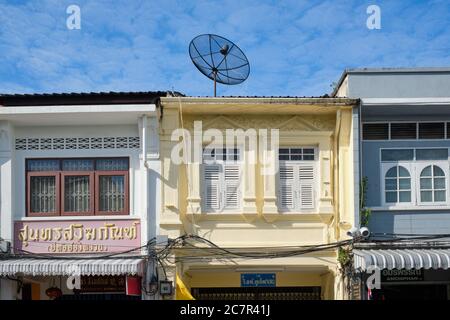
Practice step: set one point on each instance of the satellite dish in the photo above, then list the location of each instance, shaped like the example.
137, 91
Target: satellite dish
219, 59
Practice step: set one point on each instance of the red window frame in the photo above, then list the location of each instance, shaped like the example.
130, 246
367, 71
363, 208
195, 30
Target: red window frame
60, 188
98, 174
89, 174
57, 188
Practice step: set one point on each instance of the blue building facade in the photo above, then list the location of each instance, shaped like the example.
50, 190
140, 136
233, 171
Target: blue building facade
405, 158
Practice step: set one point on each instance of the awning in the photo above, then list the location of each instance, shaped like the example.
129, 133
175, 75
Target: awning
401, 259
62, 267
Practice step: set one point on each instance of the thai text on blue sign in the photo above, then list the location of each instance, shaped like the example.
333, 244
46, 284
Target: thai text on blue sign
258, 280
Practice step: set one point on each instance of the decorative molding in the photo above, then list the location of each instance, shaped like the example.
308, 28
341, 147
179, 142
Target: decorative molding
281, 122
74, 143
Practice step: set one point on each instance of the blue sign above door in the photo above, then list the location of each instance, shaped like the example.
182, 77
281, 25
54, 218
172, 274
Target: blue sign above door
258, 280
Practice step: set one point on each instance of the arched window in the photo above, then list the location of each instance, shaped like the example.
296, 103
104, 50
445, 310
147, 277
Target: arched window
432, 184
397, 185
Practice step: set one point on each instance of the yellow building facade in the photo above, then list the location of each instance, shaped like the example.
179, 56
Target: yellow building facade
309, 200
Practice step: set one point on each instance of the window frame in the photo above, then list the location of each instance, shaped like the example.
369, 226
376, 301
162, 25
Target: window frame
444, 167
60, 188
90, 174
386, 166
414, 167
126, 206
297, 206
28, 193
222, 182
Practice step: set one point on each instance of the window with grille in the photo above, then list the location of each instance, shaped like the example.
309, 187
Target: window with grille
221, 179
415, 176
76, 187
296, 179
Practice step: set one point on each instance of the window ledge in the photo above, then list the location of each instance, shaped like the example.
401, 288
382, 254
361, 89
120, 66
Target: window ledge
291, 216
73, 218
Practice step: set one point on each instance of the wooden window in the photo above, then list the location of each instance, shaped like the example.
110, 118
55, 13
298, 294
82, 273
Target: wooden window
296, 179
42, 196
77, 187
221, 180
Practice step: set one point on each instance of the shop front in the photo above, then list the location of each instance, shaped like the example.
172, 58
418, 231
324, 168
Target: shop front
262, 281
76, 260
404, 274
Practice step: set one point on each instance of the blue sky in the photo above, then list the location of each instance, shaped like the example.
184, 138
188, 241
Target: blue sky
294, 47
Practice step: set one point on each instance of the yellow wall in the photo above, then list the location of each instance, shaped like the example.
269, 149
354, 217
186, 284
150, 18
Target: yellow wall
326, 126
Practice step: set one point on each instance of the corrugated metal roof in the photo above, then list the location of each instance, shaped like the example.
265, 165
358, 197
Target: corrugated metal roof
75, 98
402, 259
61, 267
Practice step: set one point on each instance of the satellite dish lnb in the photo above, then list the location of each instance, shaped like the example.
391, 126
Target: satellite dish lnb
219, 59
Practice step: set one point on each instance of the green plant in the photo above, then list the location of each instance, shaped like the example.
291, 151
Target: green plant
344, 257
364, 212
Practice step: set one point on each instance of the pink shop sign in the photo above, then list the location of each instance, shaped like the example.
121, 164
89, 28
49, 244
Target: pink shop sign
76, 237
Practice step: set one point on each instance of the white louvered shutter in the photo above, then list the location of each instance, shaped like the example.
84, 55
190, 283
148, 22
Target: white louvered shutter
211, 187
231, 187
306, 178
286, 188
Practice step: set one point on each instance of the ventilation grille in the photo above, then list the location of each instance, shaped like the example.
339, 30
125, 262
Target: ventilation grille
432, 130
400, 131
77, 143
375, 131
406, 131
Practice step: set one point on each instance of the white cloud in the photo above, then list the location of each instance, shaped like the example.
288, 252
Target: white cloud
294, 47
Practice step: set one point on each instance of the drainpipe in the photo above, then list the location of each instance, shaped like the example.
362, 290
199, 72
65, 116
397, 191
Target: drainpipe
336, 171
144, 191
144, 141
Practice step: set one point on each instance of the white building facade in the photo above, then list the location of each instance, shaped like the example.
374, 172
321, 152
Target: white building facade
79, 192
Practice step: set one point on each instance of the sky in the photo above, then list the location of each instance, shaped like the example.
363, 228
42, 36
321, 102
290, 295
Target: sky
295, 48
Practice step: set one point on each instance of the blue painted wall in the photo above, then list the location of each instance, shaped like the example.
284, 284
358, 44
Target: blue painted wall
411, 221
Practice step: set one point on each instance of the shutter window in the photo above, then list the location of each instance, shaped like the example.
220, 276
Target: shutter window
211, 181
221, 185
231, 188
306, 181
296, 182
286, 187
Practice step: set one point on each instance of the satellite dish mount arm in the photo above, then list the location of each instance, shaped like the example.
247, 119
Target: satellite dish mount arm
215, 81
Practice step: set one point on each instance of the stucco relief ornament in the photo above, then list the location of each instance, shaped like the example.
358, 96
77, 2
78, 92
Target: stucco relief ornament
323, 123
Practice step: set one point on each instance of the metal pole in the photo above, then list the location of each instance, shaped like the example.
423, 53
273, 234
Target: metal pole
215, 83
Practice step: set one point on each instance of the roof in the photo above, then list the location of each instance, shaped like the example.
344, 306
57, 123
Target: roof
264, 97
387, 71
73, 98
